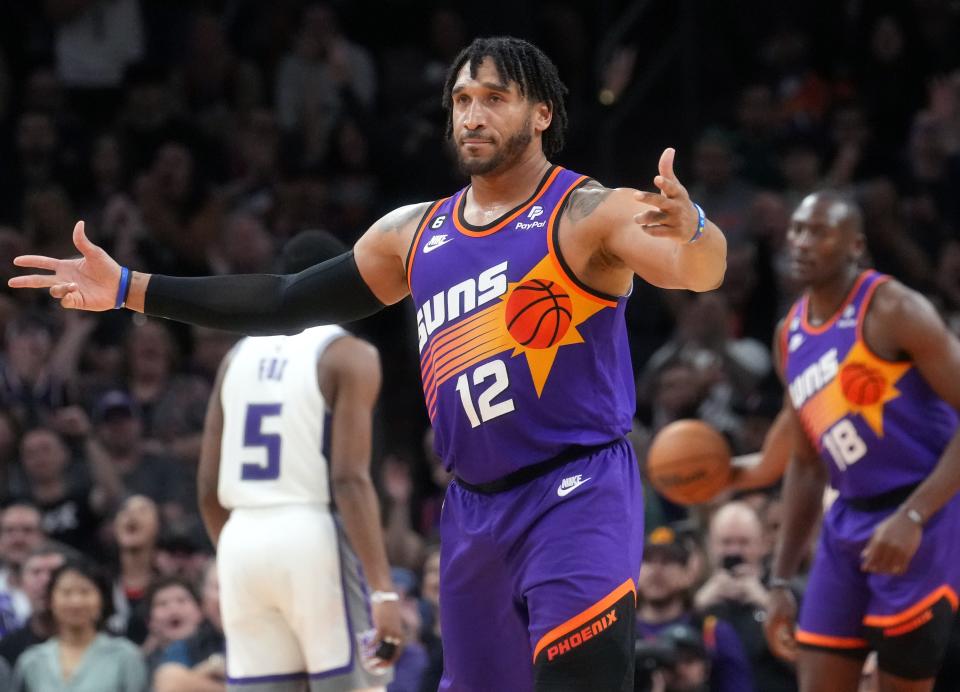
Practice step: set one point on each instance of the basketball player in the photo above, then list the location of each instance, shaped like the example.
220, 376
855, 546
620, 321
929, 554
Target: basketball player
872, 393
291, 594
542, 526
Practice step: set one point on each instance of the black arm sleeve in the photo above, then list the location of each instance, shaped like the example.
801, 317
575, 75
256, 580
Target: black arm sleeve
257, 304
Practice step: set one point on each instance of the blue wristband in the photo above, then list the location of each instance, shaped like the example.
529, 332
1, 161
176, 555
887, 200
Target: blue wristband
123, 289
700, 223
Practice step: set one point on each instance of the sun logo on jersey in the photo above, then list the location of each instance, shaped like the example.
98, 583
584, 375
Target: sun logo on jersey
541, 315
864, 385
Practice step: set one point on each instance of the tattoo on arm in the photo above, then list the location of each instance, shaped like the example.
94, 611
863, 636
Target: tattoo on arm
398, 219
584, 200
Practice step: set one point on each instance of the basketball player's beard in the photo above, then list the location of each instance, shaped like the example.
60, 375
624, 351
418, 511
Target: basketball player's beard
503, 158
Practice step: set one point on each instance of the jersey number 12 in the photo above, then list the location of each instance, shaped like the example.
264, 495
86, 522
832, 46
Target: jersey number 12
485, 409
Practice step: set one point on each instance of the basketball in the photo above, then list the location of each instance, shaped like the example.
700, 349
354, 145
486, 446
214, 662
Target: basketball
538, 313
861, 384
689, 462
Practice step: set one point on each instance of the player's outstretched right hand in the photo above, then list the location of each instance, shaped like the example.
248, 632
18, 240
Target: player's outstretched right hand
88, 282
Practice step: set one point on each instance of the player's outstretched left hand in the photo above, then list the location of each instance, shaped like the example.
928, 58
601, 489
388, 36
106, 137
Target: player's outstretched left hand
675, 217
892, 545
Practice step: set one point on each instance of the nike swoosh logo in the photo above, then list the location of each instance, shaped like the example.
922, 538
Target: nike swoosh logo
563, 492
430, 247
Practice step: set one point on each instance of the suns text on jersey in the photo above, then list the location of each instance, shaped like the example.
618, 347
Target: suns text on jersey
460, 299
814, 377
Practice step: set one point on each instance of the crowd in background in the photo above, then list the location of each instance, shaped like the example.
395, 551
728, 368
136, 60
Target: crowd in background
196, 137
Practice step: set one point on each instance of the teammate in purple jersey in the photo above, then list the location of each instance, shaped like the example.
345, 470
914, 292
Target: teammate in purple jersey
542, 530
872, 394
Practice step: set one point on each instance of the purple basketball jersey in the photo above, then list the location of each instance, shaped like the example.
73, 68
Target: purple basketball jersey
877, 423
505, 391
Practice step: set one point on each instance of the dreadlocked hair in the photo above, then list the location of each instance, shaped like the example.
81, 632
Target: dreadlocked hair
517, 61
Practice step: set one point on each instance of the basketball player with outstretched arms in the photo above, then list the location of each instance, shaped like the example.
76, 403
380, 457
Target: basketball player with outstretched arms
542, 528
301, 587
872, 397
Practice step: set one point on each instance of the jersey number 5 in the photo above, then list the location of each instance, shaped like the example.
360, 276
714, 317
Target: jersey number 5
485, 409
253, 436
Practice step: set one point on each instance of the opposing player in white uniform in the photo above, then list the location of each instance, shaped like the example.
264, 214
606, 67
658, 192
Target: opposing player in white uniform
293, 597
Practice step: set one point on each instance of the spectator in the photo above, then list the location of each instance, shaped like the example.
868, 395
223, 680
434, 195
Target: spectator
801, 166
432, 501
118, 431
948, 282
218, 87
35, 162
728, 366
151, 116
928, 184
47, 213
675, 389
172, 404
325, 76
757, 122
9, 449
79, 654
889, 244
30, 384
210, 346
105, 177
430, 632
20, 533
735, 593
663, 602
174, 614
95, 42
717, 186
179, 206
691, 670
70, 514
857, 155
243, 247
43, 561
355, 190
404, 545
38, 150
256, 165
135, 529
408, 671
197, 663
184, 555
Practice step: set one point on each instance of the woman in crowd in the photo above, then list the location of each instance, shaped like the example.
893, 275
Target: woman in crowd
80, 657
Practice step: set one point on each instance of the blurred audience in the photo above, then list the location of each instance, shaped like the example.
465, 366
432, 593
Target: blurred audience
735, 591
664, 602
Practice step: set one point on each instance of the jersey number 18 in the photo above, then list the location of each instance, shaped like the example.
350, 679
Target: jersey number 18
844, 444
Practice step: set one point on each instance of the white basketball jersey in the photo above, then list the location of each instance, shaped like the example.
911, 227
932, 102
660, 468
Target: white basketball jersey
274, 418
